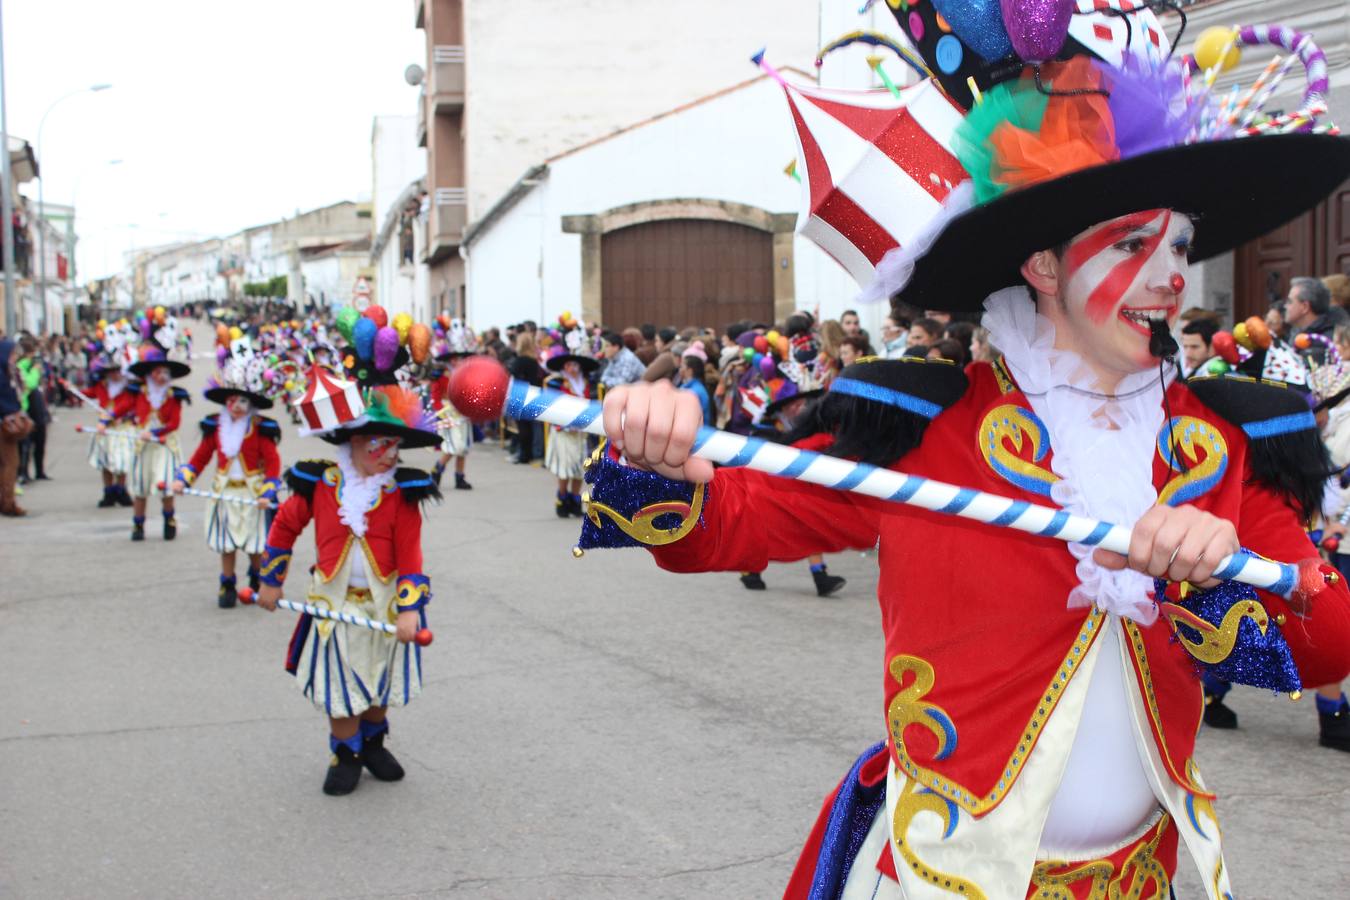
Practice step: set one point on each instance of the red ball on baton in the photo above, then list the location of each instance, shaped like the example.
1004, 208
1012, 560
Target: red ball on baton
424, 637
245, 595
478, 388
1331, 543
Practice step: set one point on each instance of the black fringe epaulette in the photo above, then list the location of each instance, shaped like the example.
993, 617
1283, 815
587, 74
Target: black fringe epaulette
1286, 449
210, 424
269, 428
305, 475
416, 485
878, 409
182, 395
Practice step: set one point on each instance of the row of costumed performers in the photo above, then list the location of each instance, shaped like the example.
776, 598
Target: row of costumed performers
1059, 171
367, 520
140, 409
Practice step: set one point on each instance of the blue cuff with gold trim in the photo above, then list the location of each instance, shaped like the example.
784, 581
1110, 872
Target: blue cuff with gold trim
275, 562
187, 474
413, 592
270, 488
1230, 636
631, 507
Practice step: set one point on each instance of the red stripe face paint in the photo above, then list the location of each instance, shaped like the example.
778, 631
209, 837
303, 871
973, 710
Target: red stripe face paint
1101, 302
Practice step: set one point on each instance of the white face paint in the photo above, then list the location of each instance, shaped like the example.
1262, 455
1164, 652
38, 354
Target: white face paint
1118, 276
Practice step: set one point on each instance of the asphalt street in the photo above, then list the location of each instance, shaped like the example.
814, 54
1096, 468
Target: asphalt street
590, 728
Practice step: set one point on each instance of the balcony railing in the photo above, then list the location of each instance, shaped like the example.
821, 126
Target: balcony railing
447, 78
449, 221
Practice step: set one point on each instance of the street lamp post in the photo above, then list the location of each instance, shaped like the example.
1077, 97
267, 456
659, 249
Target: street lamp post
42, 211
6, 203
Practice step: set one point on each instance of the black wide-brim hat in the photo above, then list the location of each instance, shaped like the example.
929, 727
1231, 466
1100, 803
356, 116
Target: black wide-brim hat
454, 354
1236, 189
777, 406
413, 438
556, 363
222, 394
144, 367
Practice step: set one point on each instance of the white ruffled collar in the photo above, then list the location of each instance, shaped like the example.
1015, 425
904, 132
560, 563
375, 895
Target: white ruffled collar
1103, 445
357, 494
231, 433
156, 393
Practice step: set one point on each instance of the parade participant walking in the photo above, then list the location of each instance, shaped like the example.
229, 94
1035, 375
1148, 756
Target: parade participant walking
243, 445
1042, 705
114, 451
155, 408
456, 430
368, 534
565, 451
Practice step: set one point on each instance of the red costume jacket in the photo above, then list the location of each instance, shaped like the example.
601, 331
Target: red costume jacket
109, 404
134, 406
986, 607
393, 529
257, 453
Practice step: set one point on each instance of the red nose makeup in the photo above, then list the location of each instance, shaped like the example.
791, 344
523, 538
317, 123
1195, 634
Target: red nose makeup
1176, 283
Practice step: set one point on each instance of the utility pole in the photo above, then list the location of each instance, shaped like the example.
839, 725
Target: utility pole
6, 202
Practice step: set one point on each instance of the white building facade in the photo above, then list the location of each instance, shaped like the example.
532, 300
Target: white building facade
720, 160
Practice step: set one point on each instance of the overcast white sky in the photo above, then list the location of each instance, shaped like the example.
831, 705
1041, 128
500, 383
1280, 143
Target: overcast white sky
224, 115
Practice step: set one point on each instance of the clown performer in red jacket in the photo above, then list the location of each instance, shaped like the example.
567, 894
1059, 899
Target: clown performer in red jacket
1042, 699
243, 445
112, 454
155, 407
368, 533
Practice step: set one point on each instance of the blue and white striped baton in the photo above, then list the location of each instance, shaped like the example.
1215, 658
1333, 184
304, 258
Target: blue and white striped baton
524, 401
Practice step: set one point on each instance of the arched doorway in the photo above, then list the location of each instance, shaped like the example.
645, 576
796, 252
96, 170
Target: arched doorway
686, 272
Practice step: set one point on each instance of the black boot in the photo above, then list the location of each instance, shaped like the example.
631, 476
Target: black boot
344, 771
461, 483
827, 584
1218, 715
575, 500
109, 497
170, 527
436, 472
562, 506
123, 496
752, 581
254, 579
1335, 732
378, 759
138, 528
227, 595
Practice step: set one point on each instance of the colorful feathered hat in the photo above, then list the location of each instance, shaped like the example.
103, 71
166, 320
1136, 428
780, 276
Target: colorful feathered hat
371, 400
1077, 113
242, 374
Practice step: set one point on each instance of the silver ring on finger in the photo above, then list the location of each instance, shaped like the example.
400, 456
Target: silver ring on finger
1175, 553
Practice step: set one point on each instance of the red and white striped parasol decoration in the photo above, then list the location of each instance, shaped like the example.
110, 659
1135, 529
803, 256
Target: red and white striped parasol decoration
875, 167
329, 401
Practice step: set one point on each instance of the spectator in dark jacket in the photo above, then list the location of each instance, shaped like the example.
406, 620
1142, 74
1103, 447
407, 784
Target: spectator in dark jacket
11, 409
1308, 310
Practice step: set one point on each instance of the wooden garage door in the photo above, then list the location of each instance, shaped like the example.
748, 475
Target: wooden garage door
1317, 243
683, 272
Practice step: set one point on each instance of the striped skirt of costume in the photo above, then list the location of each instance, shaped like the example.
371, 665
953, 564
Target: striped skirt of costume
111, 453
566, 452
346, 669
232, 527
153, 463
456, 436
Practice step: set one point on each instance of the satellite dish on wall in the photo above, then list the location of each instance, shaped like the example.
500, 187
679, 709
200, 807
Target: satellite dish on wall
414, 74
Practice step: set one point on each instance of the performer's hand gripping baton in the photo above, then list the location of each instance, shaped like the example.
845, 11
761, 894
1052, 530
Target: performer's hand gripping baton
423, 637
168, 489
476, 389
125, 435
80, 395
